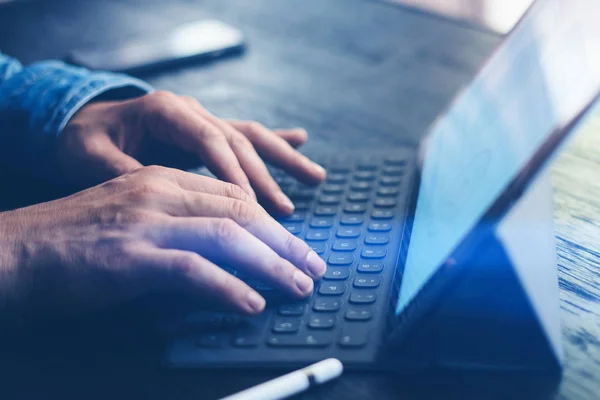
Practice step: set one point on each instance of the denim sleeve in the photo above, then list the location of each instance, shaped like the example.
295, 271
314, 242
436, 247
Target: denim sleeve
37, 101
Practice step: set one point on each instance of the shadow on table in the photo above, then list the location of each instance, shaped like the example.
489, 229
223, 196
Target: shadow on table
117, 354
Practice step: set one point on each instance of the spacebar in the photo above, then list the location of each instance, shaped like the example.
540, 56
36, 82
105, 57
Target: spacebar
312, 340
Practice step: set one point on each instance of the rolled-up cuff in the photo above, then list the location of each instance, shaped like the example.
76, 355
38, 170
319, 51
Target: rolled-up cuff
88, 91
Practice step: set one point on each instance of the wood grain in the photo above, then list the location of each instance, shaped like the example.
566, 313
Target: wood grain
577, 218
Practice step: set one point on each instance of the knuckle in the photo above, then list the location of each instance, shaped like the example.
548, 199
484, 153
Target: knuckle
185, 264
153, 170
158, 103
234, 191
278, 270
210, 133
254, 126
226, 230
242, 212
140, 217
239, 141
148, 188
161, 95
227, 286
189, 99
290, 244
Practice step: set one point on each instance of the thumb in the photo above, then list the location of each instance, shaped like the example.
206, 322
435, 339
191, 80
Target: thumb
107, 161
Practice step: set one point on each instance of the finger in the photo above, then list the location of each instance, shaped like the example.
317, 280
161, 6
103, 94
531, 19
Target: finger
174, 120
204, 277
295, 137
106, 159
253, 165
278, 152
224, 241
203, 184
253, 218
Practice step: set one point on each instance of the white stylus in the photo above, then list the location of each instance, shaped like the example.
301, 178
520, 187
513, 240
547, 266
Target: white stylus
292, 383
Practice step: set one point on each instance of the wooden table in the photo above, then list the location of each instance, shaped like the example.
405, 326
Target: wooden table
354, 73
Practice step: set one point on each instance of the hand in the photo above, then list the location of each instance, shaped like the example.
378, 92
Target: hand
107, 139
155, 229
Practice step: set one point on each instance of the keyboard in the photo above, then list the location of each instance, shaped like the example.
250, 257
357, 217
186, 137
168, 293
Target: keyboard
354, 221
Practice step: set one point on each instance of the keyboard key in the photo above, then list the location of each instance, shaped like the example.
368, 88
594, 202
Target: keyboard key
341, 259
306, 340
318, 247
332, 188
366, 164
394, 160
332, 289
392, 171
303, 194
295, 228
355, 208
212, 339
370, 268
321, 322
352, 220
358, 315
321, 222
318, 235
377, 239
390, 180
336, 178
365, 176
345, 245
336, 274
385, 202
209, 321
326, 211
340, 169
364, 282
327, 305
363, 297
295, 217
361, 186
330, 200
380, 227
388, 191
291, 309
250, 332
353, 337
301, 205
244, 339
348, 232
286, 325
382, 214
368, 252
359, 197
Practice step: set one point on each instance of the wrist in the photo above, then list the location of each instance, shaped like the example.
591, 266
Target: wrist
9, 258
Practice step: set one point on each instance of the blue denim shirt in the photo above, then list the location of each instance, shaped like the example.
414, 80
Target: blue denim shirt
37, 101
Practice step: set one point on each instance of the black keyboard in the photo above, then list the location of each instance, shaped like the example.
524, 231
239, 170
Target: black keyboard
354, 221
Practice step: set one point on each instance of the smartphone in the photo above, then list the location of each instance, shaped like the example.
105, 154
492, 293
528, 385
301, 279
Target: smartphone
197, 41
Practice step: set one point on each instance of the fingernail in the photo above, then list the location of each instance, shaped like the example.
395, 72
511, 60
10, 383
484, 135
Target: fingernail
256, 302
315, 264
320, 170
285, 202
303, 282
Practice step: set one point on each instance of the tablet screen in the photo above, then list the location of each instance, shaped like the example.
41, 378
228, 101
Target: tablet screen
536, 82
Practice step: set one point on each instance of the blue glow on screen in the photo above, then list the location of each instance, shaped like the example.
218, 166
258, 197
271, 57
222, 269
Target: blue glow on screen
537, 81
